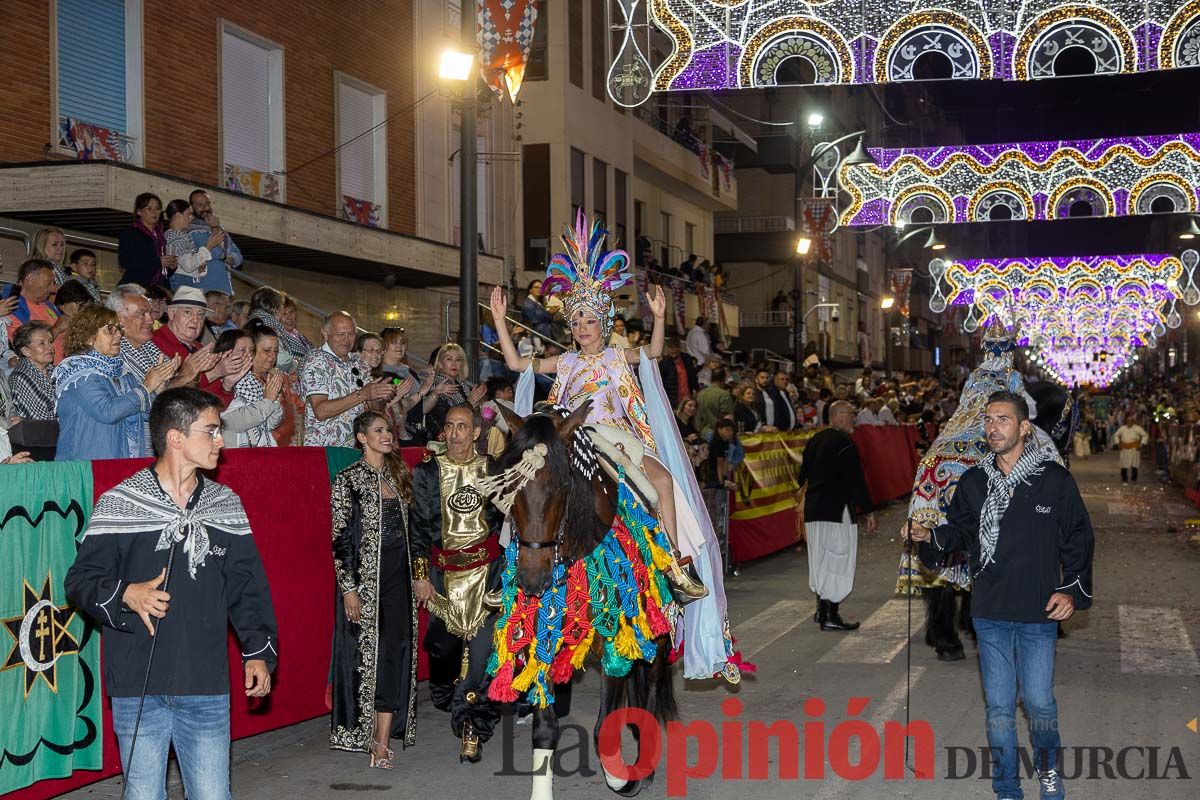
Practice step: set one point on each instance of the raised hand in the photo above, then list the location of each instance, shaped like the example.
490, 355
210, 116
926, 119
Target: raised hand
274, 385
8, 305
477, 394
658, 303
160, 373
498, 304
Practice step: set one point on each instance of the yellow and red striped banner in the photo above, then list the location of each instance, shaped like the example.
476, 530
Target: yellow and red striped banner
766, 480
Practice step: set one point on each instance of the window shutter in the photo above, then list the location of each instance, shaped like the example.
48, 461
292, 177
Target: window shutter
356, 115
91, 62
245, 103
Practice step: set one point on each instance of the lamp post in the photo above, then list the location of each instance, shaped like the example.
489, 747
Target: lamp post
460, 67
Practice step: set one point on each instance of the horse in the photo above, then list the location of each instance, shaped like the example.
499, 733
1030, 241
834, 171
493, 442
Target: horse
560, 515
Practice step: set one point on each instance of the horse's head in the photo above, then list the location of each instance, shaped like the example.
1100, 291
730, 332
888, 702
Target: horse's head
553, 514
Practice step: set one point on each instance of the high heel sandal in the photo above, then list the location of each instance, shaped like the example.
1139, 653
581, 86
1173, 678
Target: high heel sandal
685, 581
381, 761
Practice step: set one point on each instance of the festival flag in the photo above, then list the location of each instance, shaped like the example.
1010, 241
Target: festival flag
505, 33
680, 305
818, 219
49, 676
901, 286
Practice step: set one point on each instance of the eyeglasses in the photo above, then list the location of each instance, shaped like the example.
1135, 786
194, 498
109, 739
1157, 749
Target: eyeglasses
212, 434
113, 328
357, 375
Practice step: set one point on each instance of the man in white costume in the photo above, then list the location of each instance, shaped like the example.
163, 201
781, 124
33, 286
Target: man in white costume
1130, 439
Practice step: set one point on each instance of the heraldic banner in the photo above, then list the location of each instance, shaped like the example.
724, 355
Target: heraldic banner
50, 693
764, 516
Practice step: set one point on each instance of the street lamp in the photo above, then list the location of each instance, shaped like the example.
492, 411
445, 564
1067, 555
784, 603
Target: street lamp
1191, 231
803, 245
887, 302
815, 119
458, 66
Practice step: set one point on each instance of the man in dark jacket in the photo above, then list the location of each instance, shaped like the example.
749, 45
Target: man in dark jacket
837, 490
169, 513
678, 373
1019, 516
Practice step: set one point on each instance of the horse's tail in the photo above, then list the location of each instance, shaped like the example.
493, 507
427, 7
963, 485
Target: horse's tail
650, 685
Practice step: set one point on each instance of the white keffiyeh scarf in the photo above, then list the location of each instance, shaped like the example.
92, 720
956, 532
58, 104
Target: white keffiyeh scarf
1000, 488
139, 504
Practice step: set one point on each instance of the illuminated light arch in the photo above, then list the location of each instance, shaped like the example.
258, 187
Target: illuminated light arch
681, 39
1001, 193
939, 203
1040, 43
1072, 191
1161, 184
937, 31
1180, 42
795, 37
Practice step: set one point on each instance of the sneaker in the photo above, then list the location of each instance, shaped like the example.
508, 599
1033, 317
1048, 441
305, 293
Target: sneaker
1052, 785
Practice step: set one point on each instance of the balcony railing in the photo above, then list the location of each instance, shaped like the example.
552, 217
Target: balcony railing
766, 319
722, 167
760, 224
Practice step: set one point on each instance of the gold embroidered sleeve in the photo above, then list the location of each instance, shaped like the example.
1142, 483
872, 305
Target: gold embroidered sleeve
342, 510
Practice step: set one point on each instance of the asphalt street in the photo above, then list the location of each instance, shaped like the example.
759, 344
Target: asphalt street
1126, 684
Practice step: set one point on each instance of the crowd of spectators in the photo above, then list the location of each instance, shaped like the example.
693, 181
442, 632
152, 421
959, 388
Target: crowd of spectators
80, 364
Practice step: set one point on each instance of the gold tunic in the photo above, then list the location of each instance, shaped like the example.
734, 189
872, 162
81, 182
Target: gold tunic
464, 523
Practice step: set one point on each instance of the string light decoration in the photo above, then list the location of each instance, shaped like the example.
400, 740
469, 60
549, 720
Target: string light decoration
1082, 317
1025, 180
744, 44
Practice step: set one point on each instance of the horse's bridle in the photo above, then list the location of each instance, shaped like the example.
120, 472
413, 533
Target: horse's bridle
556, 543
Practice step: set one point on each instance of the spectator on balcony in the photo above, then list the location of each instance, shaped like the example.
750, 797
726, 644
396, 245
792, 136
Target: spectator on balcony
236, 351
249, 417
205, 230
336, 387
745, 411
687, 270
181, 337
534, 312
717, 277
83, 270
71, 297
713, 402
775, 407
239, 313
160, 297
102, 406
678, 373
191, 257
368, 349
266, 305
618, 338
698, 345
451, 387
50, 244
685, 419
287, 318
31, 383
35, 283
259, 384
138, 350
142, 247
218, 320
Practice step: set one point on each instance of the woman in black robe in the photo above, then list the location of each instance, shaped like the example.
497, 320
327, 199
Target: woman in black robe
375, 618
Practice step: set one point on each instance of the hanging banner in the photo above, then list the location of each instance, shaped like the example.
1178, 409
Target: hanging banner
643, 302
505, 33
50, 693
819, 218
677, 298
901, 287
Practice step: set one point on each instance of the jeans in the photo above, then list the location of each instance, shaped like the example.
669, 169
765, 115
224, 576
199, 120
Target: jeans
198, 726
1012, 653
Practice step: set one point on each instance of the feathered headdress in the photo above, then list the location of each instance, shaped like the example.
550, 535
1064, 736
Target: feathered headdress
586, 274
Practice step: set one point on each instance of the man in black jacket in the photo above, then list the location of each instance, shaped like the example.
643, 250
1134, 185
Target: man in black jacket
678, 373
1019, 516
837, 490
169, 513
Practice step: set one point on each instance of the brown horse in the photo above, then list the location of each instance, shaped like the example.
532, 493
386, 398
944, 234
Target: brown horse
560, 516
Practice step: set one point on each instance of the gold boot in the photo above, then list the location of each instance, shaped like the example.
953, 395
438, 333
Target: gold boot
472, 749
685, 582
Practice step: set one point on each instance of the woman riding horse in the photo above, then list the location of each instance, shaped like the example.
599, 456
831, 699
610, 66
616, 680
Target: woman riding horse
641, 425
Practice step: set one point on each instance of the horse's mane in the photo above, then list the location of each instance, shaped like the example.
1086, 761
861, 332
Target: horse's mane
584, 529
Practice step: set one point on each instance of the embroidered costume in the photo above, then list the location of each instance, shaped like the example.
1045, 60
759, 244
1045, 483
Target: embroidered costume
455, 546
374, 659
586, 276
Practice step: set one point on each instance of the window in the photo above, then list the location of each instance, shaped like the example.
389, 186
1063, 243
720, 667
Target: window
689, 239
537, 66
575, 42
251, 114
578, 198
98, 66
599, 53
362, 159
454, 17
600, 188
536, 198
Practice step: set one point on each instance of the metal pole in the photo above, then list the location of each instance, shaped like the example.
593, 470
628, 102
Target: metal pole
468, 159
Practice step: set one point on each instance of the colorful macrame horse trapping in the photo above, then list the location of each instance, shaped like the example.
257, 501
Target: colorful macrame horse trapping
616, 600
